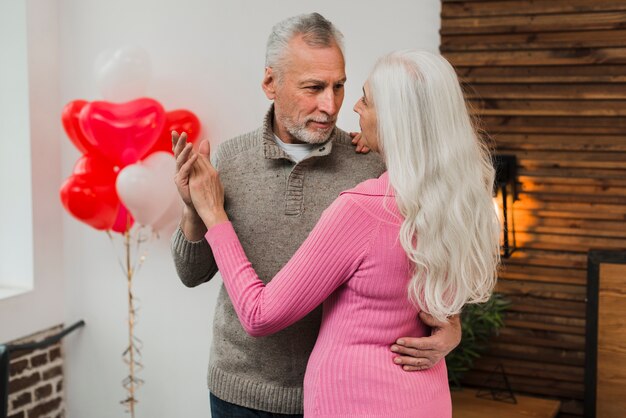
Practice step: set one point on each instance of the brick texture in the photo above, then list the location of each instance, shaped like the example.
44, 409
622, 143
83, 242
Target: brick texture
36, 379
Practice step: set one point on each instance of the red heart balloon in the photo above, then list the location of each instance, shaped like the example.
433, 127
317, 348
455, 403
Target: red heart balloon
69, 118
180, 120
89, 193
122, 132
124, 220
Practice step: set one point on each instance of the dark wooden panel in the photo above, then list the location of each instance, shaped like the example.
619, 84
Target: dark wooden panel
570, 214
534, 386
555, 125
527, 7
609, 176
590, 92
530, 186
547, 107
546, 354
526, 41
603, 184
559, 242
570, 159
574, 56
587, 74
542, 290
541, 142
590, 228
530, 257
611, 356
543, 274
586, 209
546, 307
536, 23
530, 368
546, 80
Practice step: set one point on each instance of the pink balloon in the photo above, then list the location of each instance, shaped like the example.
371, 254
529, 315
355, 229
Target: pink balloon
122, 132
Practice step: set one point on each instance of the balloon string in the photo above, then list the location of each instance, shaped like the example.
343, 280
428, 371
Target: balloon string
132, 240
131, 382
120, 261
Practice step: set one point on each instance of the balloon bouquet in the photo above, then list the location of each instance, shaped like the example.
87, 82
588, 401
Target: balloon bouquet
123, 182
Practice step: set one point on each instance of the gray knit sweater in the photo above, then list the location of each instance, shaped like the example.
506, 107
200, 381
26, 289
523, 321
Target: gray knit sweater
273, 204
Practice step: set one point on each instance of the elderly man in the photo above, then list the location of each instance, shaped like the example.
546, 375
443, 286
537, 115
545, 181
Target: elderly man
278, 180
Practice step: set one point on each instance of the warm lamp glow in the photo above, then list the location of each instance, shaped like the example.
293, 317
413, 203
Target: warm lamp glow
497, 205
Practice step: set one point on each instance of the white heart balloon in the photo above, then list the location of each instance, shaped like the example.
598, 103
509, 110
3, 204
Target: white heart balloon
124, 74
168, 221
147, 188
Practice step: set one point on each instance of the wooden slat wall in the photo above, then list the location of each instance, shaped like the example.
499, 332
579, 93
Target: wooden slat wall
548, 79
611, 356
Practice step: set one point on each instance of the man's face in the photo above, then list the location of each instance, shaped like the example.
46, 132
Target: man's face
309, 93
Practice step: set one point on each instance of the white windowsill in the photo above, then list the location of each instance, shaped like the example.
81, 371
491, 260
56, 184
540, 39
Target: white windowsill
9, 292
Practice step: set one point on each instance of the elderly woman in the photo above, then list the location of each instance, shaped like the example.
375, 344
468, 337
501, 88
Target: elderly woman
423, 236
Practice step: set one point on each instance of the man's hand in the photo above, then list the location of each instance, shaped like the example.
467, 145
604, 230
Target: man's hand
360, 144
191, 224
423, 353
184, 161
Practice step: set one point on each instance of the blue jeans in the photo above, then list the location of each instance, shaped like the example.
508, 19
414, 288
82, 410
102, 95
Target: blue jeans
223, 409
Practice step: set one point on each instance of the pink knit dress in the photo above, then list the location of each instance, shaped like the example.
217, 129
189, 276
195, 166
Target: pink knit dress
353, 263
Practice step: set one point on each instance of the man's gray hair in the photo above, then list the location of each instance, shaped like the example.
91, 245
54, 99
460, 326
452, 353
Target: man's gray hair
315, 29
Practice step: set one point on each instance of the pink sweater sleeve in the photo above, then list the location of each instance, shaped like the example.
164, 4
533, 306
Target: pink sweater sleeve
327, 258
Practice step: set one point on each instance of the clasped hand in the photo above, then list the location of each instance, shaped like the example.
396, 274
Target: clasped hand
198, 181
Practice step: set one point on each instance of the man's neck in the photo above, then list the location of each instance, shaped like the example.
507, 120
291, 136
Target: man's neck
282, 133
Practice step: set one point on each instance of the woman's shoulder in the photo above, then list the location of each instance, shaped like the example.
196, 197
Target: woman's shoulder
372, 187
372, 198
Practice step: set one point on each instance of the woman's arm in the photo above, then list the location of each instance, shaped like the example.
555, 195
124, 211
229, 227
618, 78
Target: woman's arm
330, 255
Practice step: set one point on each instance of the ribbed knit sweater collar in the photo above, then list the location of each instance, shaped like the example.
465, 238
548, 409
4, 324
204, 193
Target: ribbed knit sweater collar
374, 187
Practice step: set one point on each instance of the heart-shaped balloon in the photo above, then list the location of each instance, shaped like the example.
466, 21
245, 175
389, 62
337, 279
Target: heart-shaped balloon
69, 118
169, 220
123, 74
122, 132
89, 193
180, 120
123, 221
146, 188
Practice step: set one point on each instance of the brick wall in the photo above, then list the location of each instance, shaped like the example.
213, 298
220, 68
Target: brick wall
36, 379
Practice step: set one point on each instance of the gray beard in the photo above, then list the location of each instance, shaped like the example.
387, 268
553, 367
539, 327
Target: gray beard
301, 133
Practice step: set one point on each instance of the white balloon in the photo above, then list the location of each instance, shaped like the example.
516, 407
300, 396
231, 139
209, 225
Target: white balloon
169, 220
124, 74
147, 188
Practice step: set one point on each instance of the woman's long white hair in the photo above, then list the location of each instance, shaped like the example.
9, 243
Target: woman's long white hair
442, 176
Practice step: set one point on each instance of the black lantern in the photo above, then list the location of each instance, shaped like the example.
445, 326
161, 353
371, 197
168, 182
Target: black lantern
505, 194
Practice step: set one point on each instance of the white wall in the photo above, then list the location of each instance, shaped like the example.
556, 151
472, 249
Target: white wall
208, 57
30, 140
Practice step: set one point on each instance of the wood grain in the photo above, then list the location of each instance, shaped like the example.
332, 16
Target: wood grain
611, 395
465, 404
545, 80
527, 7
536, 23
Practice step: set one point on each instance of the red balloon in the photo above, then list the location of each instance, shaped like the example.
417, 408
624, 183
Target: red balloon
124, 220
122, 132
69, 118
89, 193
180, 120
